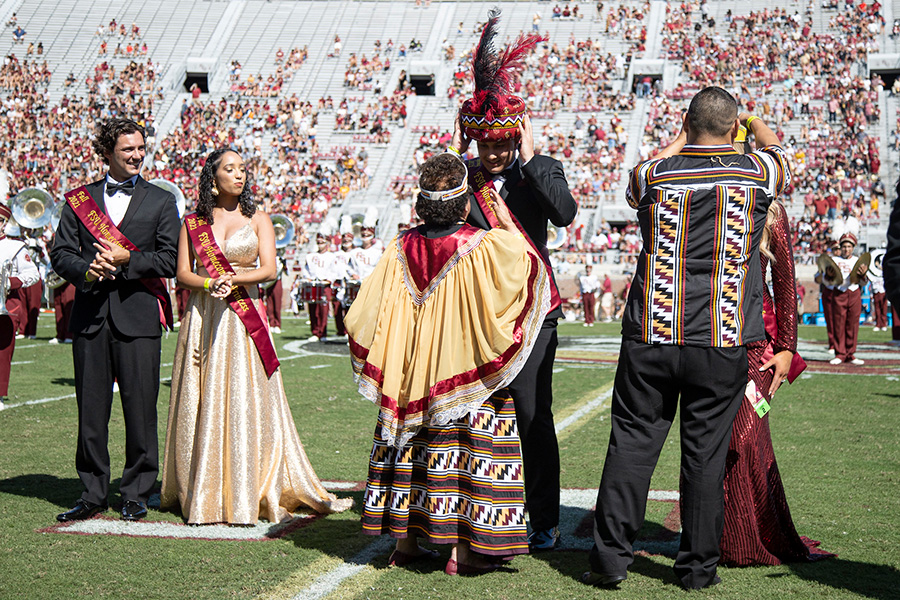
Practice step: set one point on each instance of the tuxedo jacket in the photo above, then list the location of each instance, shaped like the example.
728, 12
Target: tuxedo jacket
890, 263
535, 194
151, 223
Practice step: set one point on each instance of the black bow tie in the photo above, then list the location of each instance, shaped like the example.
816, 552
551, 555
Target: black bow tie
126, 187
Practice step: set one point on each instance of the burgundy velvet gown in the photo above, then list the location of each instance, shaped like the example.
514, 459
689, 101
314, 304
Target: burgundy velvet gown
758, 527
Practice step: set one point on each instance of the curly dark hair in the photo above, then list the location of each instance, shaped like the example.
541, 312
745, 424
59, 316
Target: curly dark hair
206, 202
441, 172
108, 132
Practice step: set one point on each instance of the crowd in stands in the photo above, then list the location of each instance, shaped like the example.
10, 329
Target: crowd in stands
809, 81
133, 79
48, 145
812, 87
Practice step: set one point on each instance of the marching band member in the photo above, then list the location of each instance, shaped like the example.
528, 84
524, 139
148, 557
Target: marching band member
589, 285
847, 297
63, 298
366, 257
342, 259
320, 265
274, 294
21, 273
33, 294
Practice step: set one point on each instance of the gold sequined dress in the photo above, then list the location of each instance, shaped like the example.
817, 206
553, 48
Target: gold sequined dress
232, 452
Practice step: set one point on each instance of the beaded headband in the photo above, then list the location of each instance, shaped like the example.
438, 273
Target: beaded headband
447, 195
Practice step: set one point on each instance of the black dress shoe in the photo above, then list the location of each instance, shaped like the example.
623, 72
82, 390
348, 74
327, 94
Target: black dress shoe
133, 510
82, 510
601, 580
716, 580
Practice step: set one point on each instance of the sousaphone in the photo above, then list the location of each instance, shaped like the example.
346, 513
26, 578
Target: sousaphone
284, 230
170, 186
556, 237
32, 208
831, 273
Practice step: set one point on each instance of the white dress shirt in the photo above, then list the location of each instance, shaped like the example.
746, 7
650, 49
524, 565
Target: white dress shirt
117, 204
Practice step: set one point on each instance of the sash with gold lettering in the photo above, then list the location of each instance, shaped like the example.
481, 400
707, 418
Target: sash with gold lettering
101, 227
239, 300
481, 179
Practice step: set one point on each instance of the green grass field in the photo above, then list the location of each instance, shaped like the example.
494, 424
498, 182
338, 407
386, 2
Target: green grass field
834, 434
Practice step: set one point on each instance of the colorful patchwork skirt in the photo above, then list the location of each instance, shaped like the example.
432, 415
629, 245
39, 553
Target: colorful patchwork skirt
460, 482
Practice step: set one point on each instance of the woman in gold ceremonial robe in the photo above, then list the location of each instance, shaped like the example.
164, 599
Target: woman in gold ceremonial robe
442, 325
232, 452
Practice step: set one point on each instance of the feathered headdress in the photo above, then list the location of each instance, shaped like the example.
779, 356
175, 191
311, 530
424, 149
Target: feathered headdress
370, 221
846, 230
493, 112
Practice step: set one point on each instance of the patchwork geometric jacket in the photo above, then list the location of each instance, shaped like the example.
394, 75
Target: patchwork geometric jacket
698, 280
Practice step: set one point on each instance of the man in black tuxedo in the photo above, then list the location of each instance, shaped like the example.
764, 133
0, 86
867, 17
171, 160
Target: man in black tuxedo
116, 319
534, 188
890, 264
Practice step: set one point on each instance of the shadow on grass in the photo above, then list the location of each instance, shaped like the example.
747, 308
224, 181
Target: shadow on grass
331, 528
866, 579
60, 491
66, 381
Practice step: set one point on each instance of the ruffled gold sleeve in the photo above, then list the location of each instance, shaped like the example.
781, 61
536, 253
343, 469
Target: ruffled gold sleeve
431, 349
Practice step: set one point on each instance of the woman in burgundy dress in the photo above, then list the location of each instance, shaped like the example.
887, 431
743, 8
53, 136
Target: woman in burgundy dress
758, 527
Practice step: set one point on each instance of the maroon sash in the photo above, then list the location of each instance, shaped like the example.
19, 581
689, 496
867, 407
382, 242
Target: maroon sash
239, 300
101, 227
481, 178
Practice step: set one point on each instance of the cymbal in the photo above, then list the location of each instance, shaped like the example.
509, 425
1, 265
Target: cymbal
864, 259
831, 273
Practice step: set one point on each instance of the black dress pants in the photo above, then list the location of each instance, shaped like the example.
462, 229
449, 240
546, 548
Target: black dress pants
532, 393
101, 358
650, 380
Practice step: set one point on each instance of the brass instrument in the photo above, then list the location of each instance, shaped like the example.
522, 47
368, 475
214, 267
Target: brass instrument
357, 224
864, 259
831, 273
556, 236
32, 208
284, 235
7, 270
284, 230
169, 186
53, 279
56, 214
5, 274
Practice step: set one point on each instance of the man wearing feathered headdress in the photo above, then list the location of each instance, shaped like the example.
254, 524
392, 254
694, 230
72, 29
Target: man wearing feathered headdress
18, 271
534, 188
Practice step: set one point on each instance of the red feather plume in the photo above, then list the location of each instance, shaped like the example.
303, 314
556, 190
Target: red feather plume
495, 76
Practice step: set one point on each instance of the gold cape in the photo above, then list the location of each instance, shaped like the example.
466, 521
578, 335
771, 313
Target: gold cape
430, 339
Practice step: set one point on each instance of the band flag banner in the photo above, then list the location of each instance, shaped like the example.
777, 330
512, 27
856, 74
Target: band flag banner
204, 243
101, 227
482, 179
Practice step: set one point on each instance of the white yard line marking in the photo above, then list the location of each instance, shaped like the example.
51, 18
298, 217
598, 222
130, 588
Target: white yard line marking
319, 366
598, 402
20, 362
329, 582
339, 485
260, 531
39, 401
